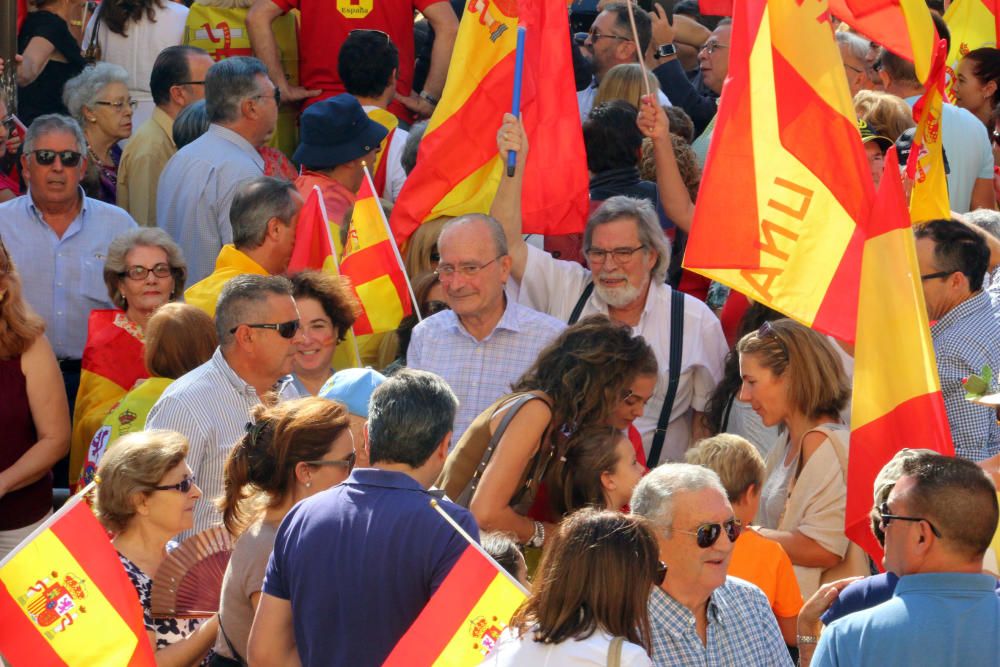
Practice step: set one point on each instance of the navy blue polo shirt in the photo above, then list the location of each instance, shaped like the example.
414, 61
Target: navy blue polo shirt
358, 562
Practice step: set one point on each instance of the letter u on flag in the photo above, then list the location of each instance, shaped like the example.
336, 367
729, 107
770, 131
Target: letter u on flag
787, 196
973, 25
65, 598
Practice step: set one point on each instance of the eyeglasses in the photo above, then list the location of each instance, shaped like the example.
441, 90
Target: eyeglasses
447, 271
347, 462
596, 35
853, 68
284, 329
119, 106
939, 274
46, 157
190, 83
277, 96
708, 533
137, 272
660, 573
712, 47
888, 517
766, 330
621, 255
183, 486
432, 307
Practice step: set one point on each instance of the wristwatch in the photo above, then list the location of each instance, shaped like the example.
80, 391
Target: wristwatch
430, 98
665, 51
538, 539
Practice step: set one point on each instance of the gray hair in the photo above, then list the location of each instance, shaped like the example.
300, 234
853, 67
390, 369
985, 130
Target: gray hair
52, 123
152, 237
856, 46
255, 203
494, 227
228, 83
84, 88
650, 234
653, 497
191, 123
408, 416
408, 158
986, 219
242, 299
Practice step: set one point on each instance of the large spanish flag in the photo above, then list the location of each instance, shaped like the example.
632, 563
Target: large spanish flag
925, 165
901, 26
65, 598
458, 165
786, 182
973, 25
897, 399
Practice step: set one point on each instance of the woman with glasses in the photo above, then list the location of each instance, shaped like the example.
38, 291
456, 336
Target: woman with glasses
794, 379
144, 269
327, 310
602, 622
99, 99
290, 452
145, 496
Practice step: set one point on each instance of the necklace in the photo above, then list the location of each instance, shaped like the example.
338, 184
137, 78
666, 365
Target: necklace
93, 156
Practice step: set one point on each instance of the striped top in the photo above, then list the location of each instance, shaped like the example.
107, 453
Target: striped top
210, 406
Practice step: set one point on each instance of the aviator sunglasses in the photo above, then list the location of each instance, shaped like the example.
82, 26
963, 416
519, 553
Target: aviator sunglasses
46, 157
708, 534
284, 329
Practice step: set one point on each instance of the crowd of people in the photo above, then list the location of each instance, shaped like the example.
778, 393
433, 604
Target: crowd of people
661, 460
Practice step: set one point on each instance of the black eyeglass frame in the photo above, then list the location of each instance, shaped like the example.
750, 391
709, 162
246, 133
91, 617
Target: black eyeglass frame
886, 517
348, 462
284, 329
68, 159
183, 486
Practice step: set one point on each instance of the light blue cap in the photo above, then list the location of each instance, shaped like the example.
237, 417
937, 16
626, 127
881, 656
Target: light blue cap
353, 387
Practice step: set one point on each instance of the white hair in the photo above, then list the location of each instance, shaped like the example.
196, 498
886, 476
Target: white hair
653, 497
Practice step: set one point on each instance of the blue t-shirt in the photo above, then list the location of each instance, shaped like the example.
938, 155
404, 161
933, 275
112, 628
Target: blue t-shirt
358, 562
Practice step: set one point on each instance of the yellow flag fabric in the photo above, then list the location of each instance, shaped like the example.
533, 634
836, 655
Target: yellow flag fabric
973, 25
229, 264
925, 166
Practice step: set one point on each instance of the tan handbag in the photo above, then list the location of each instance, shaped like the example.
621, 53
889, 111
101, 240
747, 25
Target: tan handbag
93, 52
615, 652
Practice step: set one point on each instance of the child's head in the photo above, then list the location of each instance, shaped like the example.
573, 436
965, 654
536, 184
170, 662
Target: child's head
738, 464
600, 470
504, 550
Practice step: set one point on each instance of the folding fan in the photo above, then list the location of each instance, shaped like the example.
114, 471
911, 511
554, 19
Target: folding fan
189, 581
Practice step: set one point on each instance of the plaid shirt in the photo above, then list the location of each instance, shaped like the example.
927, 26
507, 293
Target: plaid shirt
742, 630
966, 339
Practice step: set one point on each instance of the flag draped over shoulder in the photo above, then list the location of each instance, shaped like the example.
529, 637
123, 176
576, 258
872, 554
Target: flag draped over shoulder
788, 198
925, 165
65, 598
458, 166
897, 399
973, 24
901, 26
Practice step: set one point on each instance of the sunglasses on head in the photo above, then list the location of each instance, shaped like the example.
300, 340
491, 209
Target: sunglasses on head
708, 534
183, 486
45, 157
284, 329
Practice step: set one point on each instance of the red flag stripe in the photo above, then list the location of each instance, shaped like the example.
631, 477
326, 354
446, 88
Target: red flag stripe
30, 647
370, 263
838, 312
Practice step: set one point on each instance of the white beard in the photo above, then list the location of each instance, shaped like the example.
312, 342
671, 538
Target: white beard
619, 297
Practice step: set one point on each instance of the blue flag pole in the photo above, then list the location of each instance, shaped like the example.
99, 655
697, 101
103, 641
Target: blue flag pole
516, 105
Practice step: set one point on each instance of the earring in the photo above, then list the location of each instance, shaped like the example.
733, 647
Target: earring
92, 119
309, 485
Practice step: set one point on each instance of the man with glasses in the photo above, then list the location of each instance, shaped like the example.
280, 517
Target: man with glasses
938, 522
177, 80
699, 615
485, 341
854, 53
199, 182
953, 260
258, 326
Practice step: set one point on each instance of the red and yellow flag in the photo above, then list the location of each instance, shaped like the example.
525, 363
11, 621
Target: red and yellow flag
925, 164
901, 26
973, 24
462, 621
789, 199
458, 165
897, 399
372, 262
65, 598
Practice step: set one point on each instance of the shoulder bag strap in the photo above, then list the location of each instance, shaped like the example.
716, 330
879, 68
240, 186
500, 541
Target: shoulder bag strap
580, 303
833, 436
676, 348
517, 404
93, 51
615, 652
232, 649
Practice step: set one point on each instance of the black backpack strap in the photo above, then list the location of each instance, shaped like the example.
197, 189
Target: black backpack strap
676, 348
580, 303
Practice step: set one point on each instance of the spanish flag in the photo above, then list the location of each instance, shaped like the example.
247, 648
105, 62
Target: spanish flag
897, 399
925, 165
973, 25
901, 26
458, 165
65, 598
372, 262
786, 182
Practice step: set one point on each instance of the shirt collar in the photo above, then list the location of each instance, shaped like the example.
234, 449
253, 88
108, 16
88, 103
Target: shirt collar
232, 258
238, 383
675, 618
36, 214
978, 302
389, 479
237, 140
947, 581
509, 321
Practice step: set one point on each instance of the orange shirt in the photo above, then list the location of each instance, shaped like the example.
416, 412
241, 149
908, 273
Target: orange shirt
764, 563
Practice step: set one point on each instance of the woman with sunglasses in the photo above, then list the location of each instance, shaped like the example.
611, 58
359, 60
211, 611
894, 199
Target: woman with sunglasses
603, 622
290, 452
145, 496
144, 269
327, 310
793, 378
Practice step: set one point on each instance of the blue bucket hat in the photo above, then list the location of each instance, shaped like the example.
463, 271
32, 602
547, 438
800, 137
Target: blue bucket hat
334, 131
353, 387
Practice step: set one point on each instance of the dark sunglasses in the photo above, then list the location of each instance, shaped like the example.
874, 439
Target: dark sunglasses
183, 486
708, 533
347, 462
284, 329
767, 330
138, 272
660, 573
888, 517
46, 157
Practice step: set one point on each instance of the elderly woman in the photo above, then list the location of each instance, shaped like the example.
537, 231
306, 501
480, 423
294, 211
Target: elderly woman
144, 270
145, 496
327, 310
33, 411
51, 58
99, 99
179, 338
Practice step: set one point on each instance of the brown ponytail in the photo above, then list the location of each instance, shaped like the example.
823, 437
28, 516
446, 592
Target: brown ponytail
576, 477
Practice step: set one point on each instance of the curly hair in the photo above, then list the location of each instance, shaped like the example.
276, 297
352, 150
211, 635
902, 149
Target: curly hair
687, 164
334, 295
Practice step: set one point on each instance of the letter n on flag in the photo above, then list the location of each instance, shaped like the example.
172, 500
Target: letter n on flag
65, 598
788, 199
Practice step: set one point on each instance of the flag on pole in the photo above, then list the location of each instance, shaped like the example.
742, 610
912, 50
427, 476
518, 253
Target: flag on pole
458, 164
65, 598
925, 164
973, 24
897, 399
788, 199
901, 26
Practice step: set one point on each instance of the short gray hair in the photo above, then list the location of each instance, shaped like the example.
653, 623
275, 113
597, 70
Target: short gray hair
650, 233
408, 416
152, 237
986, 219
255, 203
856, 46
191, 123
51, 123
84, 88
494, 227
241, 300
653, 497
228, 83
408, 158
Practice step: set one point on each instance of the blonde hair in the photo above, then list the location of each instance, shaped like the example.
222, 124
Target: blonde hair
885, 114
420, 245
20, 326
624, 82
737, 462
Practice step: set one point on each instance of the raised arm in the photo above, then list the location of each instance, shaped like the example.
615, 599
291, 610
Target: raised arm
259, 19
507, 203
674, 197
